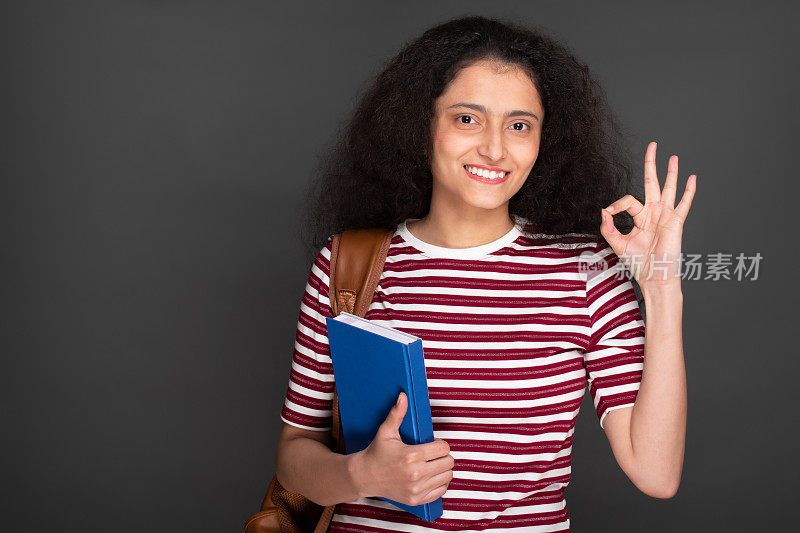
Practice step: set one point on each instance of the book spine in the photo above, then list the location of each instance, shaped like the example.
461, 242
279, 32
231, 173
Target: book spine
413, 404
419, 383
423, 420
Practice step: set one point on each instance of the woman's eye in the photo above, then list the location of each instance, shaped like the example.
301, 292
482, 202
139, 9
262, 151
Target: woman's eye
467, 117
520, 124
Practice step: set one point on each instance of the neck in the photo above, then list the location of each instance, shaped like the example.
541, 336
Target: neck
462, 228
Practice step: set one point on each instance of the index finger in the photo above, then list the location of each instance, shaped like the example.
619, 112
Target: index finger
652, 190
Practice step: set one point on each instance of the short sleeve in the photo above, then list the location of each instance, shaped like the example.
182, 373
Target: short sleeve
309, 397
614, 358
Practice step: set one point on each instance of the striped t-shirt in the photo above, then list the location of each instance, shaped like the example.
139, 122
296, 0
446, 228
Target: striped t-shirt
513, 331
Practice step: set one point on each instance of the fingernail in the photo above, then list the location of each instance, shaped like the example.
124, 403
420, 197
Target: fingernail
610, 209
398, 399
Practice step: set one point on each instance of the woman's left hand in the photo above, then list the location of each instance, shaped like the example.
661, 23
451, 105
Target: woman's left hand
651, 250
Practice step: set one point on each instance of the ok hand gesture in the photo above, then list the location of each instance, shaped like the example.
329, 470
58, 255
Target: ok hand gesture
651, 250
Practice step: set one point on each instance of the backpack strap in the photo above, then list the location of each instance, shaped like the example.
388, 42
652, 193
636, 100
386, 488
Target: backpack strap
357, 259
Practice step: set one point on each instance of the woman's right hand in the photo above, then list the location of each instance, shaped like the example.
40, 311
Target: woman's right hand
410, 474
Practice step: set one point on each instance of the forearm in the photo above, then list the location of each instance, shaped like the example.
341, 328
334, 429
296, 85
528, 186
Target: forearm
658, 418
308, 467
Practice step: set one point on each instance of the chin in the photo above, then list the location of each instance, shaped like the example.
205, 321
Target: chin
489, 204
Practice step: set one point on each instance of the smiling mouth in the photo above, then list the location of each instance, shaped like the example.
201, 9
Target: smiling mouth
486, 176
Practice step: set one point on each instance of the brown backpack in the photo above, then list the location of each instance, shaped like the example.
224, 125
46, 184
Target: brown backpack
357, 258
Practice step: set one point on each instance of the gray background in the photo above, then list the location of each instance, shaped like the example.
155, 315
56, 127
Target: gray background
153, 158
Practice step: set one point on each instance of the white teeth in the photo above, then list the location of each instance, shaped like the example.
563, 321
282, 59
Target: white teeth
492, 175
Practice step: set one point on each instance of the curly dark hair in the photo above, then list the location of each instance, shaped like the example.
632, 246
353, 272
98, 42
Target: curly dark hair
379, 173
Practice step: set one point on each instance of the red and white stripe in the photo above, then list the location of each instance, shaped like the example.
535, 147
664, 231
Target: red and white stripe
511, 340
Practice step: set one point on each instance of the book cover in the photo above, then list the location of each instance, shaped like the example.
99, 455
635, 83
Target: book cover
371, 365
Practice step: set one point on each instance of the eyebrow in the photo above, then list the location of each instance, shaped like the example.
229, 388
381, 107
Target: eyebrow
482, 109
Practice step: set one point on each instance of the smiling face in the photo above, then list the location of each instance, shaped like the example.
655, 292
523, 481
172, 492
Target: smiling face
485, 132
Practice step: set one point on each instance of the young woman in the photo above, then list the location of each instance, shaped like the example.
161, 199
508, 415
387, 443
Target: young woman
491, 151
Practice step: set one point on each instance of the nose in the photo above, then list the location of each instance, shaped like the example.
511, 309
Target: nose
492, 144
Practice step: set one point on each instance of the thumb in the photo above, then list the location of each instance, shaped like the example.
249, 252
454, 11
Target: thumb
396, 415
610, 232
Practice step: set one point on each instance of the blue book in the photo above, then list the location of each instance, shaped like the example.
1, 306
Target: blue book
371, 365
